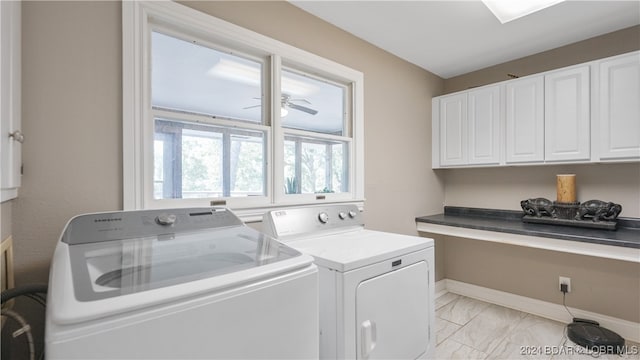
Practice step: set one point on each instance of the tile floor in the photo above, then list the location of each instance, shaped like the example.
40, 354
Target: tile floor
471, 329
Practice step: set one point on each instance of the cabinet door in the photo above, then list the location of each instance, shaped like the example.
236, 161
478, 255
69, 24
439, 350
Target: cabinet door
619, 115
525, 120
453, 130
10, 146
484, 125
566, 115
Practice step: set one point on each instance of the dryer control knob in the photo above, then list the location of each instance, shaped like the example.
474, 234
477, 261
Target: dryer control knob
342, 215
323, 217
352, 214
166, 219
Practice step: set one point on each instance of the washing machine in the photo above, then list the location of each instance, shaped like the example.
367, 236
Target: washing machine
178, 284
376, 288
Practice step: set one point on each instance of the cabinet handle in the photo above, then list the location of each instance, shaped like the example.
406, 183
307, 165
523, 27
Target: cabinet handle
17, 136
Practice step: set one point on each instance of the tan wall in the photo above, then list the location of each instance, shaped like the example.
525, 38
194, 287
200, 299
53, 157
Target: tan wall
617, 42
503, 188
598, 285
5, 219
72, 116
603, 286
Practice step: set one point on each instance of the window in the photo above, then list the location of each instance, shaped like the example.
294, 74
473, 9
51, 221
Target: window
316, 140
195, 156
217, 114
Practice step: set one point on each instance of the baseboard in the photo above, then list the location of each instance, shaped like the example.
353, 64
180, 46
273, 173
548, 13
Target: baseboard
627, 329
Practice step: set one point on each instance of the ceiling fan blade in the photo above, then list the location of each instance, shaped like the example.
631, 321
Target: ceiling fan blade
251, 107
303, 108
303, 100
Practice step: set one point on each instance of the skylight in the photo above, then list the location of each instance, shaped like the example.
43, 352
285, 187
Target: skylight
508, 10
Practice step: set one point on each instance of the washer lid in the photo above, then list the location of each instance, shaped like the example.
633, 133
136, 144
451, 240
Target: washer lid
350, 250
118, 267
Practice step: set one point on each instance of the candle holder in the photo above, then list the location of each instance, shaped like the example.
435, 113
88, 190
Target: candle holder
566, 210
595, 214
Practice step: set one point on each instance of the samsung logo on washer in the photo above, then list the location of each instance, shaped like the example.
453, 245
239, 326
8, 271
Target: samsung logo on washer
107, 220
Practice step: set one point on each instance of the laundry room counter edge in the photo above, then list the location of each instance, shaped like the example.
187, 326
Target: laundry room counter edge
506, 226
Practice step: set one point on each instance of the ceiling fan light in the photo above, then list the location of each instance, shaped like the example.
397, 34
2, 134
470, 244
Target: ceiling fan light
235, 71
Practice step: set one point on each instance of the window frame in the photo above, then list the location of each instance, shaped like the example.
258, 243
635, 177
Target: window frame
139, 19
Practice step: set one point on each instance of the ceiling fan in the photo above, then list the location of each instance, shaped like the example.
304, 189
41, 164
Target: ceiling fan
288, 103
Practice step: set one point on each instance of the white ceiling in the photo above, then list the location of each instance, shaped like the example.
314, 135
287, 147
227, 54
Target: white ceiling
454, 37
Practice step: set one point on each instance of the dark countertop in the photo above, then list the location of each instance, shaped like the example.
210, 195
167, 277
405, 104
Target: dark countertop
510, 221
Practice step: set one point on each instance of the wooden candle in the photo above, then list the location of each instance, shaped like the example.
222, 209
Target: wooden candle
566, 188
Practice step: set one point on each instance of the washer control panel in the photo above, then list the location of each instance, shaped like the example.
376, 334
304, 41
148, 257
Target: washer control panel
90, 228
301, 221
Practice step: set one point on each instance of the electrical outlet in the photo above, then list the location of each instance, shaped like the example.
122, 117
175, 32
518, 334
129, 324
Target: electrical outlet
565, 280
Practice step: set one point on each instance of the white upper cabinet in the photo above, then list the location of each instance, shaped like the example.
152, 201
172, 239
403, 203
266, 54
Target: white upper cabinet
566, 115
468, 128
584, 113
453, 130
484, 125
619, 107
10, 130
525, 120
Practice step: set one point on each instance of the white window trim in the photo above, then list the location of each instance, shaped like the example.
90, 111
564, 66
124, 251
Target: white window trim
136, 18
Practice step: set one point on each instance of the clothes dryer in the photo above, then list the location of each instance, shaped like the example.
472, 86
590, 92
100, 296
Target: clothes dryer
376, 288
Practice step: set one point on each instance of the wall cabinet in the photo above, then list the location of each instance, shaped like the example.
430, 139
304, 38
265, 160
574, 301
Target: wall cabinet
525, 120
11, 137
618, 99
567, 135
484, 119
468, 130
453, 129
584, 113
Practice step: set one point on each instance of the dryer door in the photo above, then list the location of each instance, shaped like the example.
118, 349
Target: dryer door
392, 314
